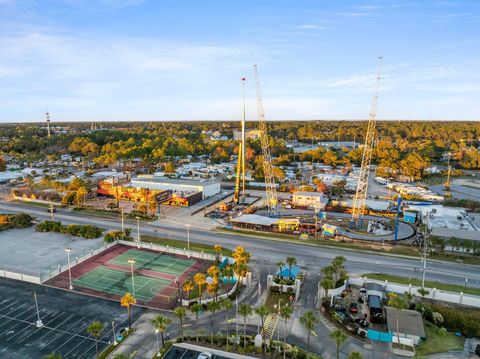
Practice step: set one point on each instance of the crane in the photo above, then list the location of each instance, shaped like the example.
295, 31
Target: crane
362, 185
270, 188
241, 154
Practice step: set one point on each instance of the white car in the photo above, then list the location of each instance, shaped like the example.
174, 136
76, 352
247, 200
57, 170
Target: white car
204, 355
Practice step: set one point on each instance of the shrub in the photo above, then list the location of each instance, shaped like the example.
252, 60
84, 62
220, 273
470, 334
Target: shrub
86, 231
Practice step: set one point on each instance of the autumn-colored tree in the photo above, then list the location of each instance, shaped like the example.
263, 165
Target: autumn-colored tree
127, 301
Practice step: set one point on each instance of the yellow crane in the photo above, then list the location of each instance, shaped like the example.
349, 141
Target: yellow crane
270, 189
362, 185
241, 154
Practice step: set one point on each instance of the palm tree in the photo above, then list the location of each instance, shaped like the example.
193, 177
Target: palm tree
52, 356
196, 309
339, 338
214, 272
199, 280
308, 320
285, 313
127, 301
423, 292
188, 286
355, 355
180, 313
213, 307
218, 251
327, 284
263, 311
398, 303
95, 329
245, 310
161, 324
227, 305
409, 297
291, 261
228, 273
280, 265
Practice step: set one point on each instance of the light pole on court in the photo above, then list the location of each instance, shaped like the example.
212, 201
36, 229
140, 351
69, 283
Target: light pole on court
138, 232
188, 225
158, 346
68, 250
39, 321
132, 262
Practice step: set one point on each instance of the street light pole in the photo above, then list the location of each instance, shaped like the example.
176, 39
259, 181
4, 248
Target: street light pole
138, 232
158, 346
113, 331
132, 262
68, 250
188, 225
123, 229
424, 255
39, 321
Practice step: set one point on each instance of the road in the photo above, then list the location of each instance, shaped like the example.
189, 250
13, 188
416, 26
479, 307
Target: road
266, 252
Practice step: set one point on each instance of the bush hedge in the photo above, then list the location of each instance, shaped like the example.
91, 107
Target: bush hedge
86, 231
21, 220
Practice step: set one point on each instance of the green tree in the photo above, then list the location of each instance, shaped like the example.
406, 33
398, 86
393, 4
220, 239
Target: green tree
339, 338
213, 306
52, 356
180, 313
308, 320
95, 329
397, 303
291, 261
263, 311
423, 292
161, 324
245, 310
280, 265
285, 313
227, 305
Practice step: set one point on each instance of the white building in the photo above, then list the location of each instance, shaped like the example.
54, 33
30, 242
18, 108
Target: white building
317, 200
208, 188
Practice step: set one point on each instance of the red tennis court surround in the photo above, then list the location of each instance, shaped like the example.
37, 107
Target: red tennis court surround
159, 275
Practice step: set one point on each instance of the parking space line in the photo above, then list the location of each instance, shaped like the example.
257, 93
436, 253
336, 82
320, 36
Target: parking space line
5, 308
58, 335
49, 321
26, 327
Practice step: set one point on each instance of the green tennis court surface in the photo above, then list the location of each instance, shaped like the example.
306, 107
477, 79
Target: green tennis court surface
162, 263
119, 282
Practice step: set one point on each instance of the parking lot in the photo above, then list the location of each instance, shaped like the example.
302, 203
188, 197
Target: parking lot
65, 318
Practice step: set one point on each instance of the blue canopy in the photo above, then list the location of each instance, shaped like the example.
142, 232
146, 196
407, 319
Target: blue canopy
285, 272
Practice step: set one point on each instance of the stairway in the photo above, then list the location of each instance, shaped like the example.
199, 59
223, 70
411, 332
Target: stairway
270, 324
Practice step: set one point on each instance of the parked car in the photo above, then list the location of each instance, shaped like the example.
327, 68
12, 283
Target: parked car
204, 355
353, 308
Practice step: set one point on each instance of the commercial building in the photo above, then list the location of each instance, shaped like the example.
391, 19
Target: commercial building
252, 135
316, 200
207, 188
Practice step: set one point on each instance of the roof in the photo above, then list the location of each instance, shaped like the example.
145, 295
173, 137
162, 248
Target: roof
410, 322
374, 301
309, 194
167, 180
457, 233
254, 219
374, 286
286, 272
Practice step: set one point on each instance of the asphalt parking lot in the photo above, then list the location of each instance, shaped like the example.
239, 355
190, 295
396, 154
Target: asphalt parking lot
65, 318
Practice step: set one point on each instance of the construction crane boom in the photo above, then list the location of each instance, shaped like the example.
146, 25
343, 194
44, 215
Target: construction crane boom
270, 188
362, 185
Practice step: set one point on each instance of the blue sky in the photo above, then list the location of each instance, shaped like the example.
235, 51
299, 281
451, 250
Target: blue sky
164, 60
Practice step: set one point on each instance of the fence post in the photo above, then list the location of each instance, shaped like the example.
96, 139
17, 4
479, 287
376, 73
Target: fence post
461, 298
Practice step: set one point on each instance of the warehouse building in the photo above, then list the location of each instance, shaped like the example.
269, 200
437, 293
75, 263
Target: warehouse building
316, 200
179, 186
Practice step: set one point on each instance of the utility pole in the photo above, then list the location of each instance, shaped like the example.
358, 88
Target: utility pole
47, 115
423, 254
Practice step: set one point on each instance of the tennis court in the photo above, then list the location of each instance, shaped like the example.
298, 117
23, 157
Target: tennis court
118, 282
156, 262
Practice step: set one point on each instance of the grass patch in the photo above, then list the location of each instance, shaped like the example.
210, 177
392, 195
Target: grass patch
96, 212
176, 243
112, 347
35, 204
418, 282
274, 298
164, 349
438, 342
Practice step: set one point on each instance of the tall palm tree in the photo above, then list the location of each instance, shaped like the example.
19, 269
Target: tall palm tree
180, 313
228, 273
199, 280
161, 323
127, 301
280, 265
291, 261
188, 286
227, 305
52, 356
308, 320
398, 303
95, 329
245, 310
327, 284
218, 251
423, 292
262, 311
285, 313
213, 306
409, 298
196, 309
339, 338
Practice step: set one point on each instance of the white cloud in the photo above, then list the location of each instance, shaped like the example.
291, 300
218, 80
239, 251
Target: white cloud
312, 27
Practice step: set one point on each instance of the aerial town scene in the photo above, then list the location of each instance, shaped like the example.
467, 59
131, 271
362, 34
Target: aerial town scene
239, 179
